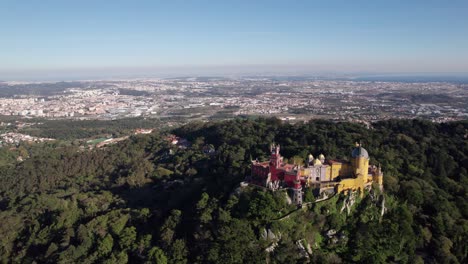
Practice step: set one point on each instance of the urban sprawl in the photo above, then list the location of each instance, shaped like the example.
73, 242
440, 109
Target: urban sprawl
205, 98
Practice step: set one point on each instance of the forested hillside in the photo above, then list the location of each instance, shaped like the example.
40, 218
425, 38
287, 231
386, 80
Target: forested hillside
145, 200
79, 129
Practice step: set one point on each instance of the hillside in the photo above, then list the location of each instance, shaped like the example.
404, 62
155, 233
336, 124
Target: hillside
147, 200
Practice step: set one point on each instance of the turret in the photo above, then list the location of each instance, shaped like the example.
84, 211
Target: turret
310, 159
317, 162
360, 159
360, 162
297, 189
275, 149
322, 158
275, 161
275, 158
378, 177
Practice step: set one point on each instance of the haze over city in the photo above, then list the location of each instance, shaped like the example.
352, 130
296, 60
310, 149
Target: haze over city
62, 40
233, 131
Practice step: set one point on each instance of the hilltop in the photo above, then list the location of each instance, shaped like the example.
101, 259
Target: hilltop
151, 198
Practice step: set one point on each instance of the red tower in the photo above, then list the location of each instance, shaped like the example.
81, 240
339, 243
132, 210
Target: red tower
275, 162
297, 181
275, 174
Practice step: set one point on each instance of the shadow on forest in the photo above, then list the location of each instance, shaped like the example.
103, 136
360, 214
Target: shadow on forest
138, 197
155, 196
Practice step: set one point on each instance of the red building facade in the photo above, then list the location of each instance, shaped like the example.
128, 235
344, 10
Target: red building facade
275, 173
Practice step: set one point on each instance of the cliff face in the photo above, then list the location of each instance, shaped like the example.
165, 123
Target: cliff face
325, 224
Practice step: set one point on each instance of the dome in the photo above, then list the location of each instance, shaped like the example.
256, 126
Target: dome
321, 157
317, 162
311, 157
359, 152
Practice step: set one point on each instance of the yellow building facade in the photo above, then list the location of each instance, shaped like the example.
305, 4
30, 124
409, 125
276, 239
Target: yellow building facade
341, 175
363, 175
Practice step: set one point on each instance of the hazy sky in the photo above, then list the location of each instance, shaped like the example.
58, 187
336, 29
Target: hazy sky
125, 37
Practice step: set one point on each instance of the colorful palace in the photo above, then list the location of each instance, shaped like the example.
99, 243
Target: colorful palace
324, 175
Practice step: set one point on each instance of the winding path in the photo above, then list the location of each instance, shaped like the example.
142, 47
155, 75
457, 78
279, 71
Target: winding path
303, 206
287, 215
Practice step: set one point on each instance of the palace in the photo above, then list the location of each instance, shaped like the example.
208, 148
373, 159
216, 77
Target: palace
319, 173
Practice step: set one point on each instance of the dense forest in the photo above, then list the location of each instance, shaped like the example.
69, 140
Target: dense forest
145, 200
70, 130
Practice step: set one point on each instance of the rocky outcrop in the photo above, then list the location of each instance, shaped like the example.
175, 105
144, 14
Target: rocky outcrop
272, 247
302, 249
309, 248
383, 209
268, 234
288, 199
349, 201
330, 233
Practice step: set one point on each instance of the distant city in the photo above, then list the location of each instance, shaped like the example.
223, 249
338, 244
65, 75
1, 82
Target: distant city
206, 98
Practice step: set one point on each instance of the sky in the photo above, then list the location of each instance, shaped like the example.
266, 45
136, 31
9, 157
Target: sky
125, 38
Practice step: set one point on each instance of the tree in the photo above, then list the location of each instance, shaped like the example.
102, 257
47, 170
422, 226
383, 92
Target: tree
127, 238
309, 195
105, 245
178, 252
168, 228
157, 256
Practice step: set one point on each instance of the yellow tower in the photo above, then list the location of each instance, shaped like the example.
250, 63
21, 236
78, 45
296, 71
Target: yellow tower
360, 160
378, 177
360, 172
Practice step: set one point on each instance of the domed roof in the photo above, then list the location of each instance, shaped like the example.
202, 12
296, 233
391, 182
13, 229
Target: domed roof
311, 157
317, 162
321, 156
359, 152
